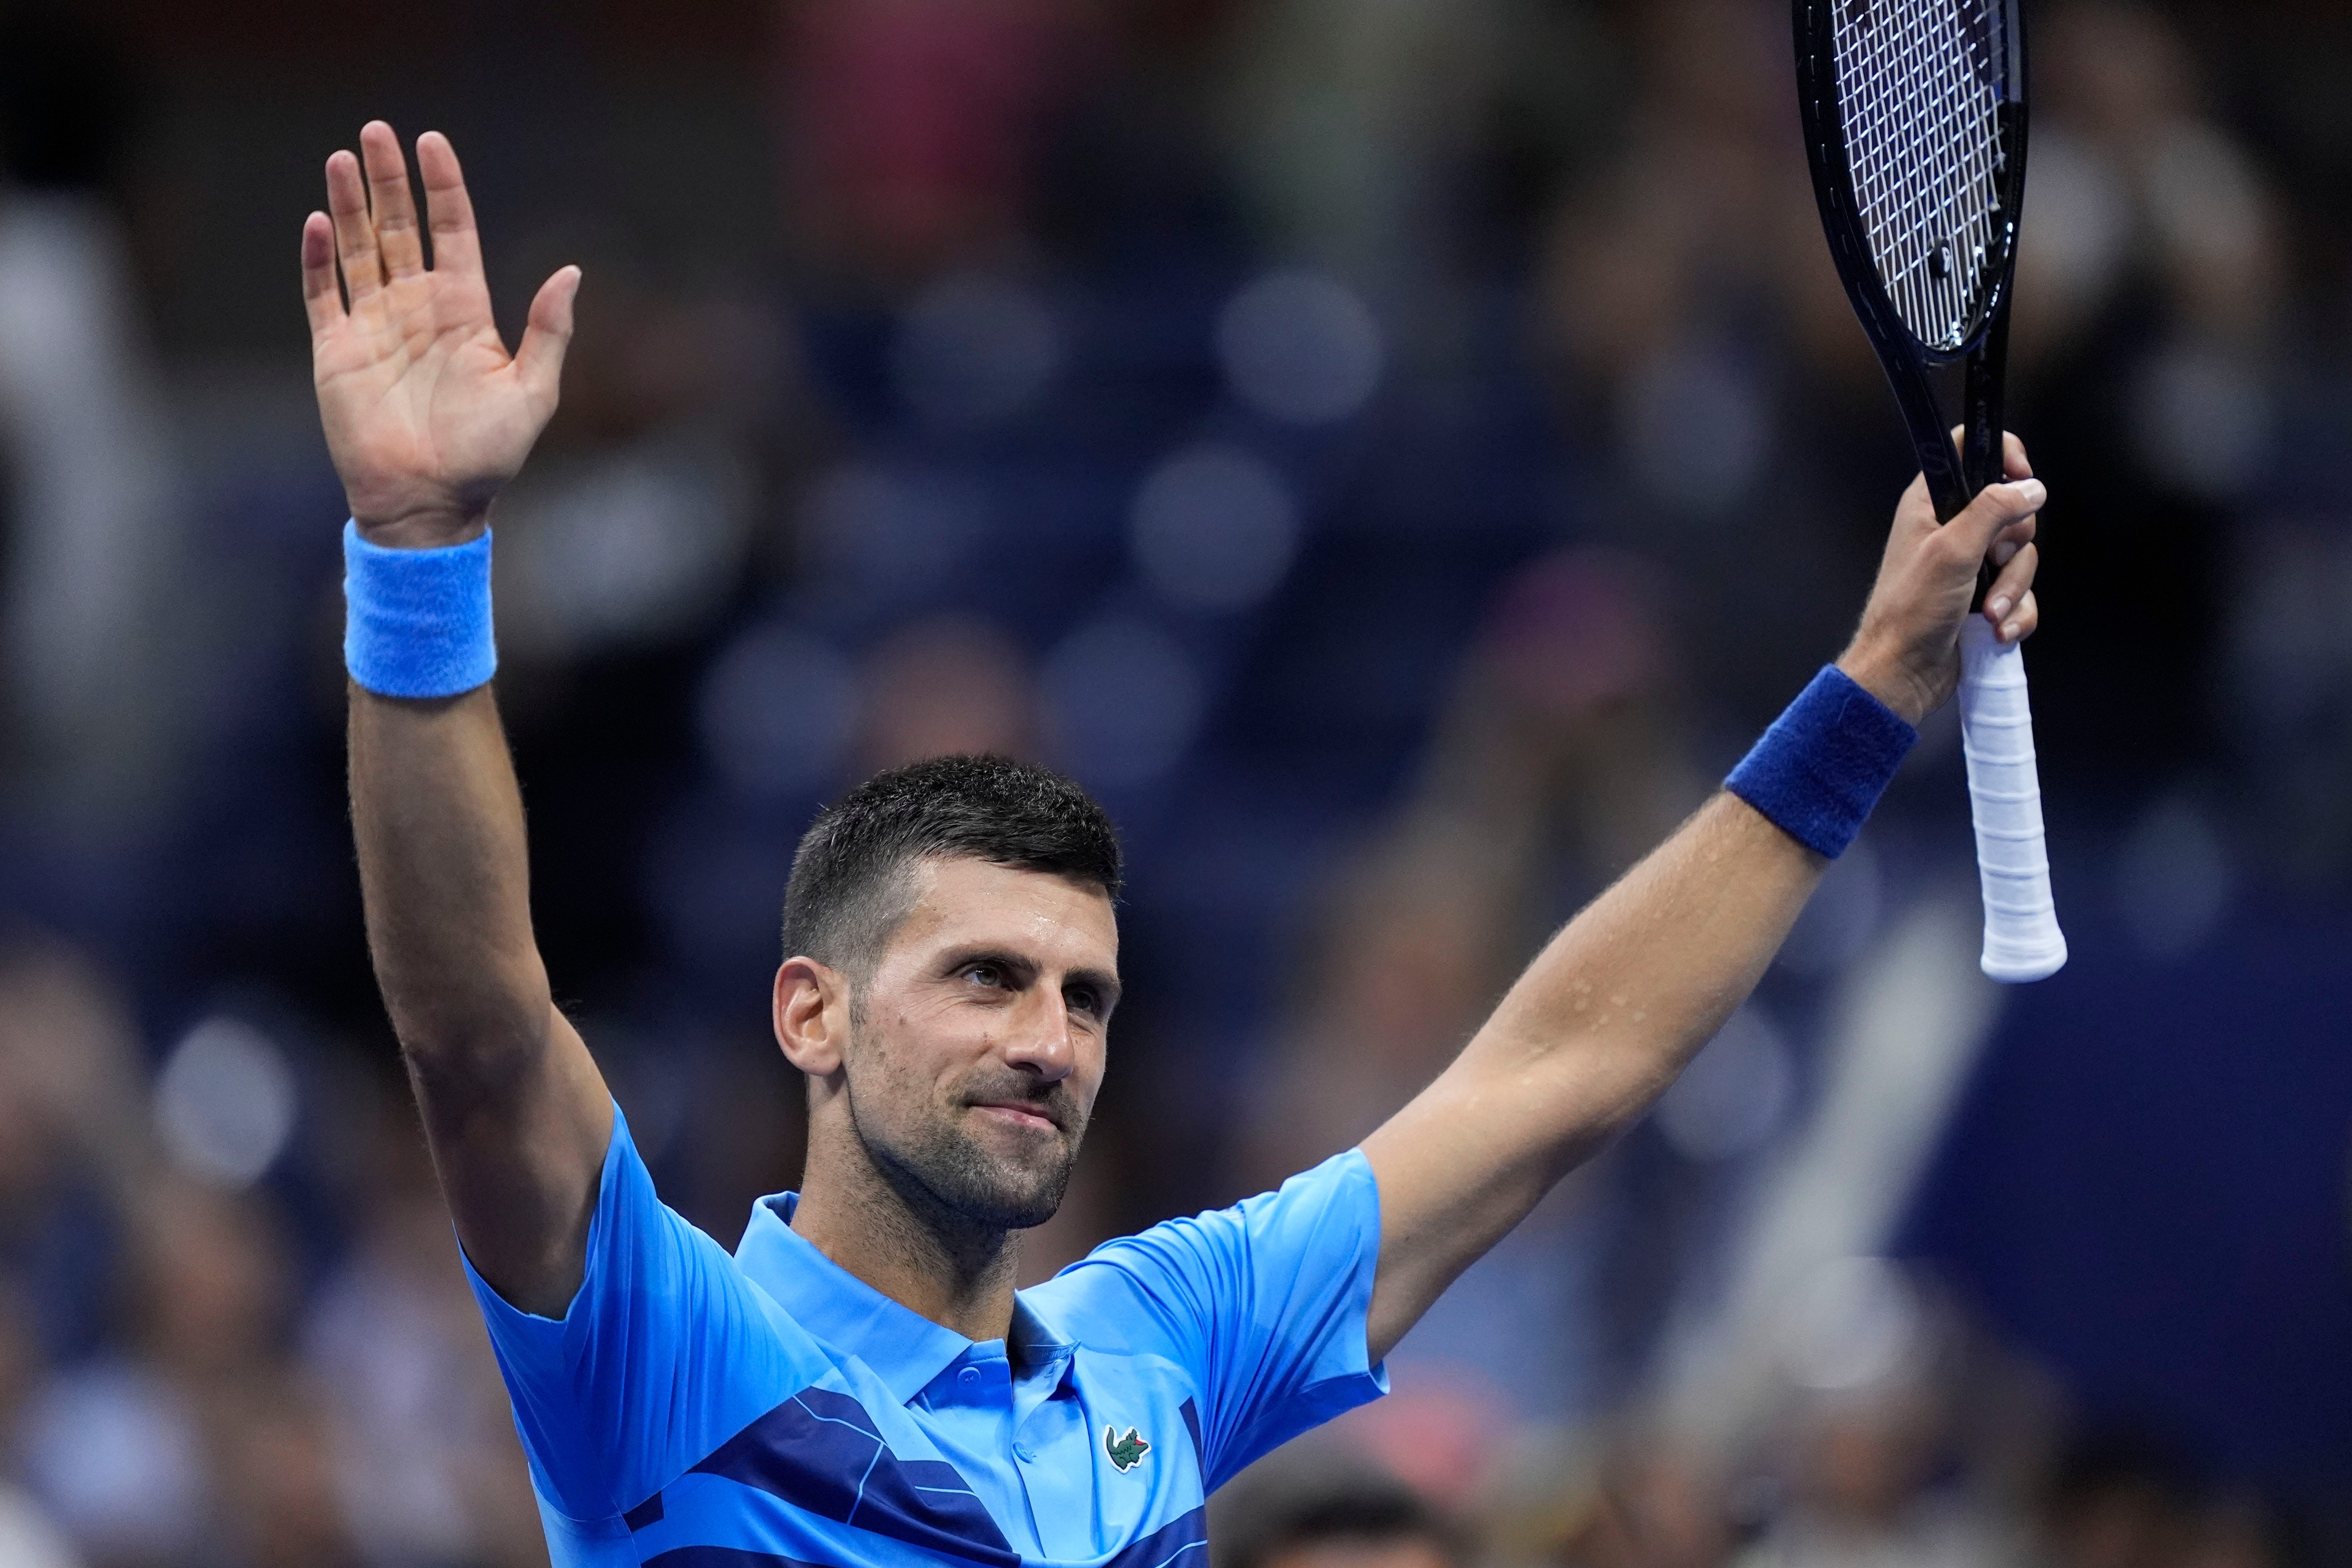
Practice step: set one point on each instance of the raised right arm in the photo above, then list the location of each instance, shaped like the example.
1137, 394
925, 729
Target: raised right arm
426, 417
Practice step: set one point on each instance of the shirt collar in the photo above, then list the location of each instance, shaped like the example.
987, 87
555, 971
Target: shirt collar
899, 1346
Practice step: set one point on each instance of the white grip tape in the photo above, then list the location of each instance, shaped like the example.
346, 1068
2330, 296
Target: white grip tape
2021, 940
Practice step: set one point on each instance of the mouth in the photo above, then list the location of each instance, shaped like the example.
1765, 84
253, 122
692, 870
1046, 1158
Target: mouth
1027, 1117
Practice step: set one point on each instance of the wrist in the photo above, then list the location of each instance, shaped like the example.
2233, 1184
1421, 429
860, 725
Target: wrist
418, 622
1820, 768
420, 529
396, 509
1888, 677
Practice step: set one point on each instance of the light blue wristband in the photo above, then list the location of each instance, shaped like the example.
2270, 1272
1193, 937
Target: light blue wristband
417, 622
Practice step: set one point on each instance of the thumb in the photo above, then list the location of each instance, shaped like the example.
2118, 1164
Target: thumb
539, 361
1995, 507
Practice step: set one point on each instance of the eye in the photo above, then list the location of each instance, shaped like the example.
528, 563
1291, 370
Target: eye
985, 974
1083, 999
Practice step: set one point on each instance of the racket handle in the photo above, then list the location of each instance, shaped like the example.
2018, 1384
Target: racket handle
2021, 940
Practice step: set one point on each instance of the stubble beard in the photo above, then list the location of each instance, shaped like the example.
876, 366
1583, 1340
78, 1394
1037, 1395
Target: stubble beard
940, 1167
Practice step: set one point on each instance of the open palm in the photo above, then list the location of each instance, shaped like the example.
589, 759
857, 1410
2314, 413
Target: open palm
426, 413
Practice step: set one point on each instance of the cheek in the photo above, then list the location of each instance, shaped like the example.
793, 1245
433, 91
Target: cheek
920, 1057
1088, 1079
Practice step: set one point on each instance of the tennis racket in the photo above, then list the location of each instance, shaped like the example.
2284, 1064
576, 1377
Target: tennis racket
1914, 127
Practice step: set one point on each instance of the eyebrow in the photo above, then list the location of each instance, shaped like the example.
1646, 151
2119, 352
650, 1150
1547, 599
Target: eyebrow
1108, 984
1102, 980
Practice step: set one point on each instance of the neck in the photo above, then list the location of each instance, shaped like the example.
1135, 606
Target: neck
894, 1233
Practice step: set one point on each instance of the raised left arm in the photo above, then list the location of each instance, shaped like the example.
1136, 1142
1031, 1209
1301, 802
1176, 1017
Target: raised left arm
1610, 1010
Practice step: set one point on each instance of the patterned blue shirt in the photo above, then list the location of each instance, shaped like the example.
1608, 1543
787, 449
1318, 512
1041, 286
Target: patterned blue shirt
701, 1411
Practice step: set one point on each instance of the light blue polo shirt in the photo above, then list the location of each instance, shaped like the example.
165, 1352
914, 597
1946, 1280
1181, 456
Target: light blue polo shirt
701, 1411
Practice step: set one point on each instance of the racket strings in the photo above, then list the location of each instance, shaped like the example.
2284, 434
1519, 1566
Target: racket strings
1922, 146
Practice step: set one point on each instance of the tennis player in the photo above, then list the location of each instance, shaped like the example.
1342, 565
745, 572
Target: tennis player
859, 1385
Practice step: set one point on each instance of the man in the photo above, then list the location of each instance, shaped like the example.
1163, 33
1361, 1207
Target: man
860, 1383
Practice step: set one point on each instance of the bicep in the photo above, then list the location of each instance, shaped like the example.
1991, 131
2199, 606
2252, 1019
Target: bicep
519, 1137
1457, 1168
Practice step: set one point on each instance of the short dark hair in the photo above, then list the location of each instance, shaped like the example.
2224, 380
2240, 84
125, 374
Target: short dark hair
851, 881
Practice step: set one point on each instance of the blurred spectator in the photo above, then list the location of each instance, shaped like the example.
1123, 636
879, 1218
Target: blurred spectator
1314, 1509
408, 1433
27, 1538
274, 1467
1707, 352
91, 535
909, 127
2118, 1499
2151, 365
1650, 1506
1865, 1491
1869, 1450
1403, 147
130, 1448
943, 686
73, 1136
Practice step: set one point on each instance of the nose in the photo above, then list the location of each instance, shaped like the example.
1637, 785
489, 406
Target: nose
1044, 1044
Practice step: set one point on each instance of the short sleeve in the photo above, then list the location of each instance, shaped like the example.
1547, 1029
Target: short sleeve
1264, 1304
665, 1351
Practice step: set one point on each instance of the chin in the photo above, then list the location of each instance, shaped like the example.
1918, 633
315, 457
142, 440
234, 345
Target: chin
1002, 1194
1020, 1205
979, 1178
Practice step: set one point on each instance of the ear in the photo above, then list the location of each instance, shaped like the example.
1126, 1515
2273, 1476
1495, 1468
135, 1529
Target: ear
811, 1016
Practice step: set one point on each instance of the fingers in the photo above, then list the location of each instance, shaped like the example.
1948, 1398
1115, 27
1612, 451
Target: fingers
539, 361
2013, 463
2007, 543
2011, 594
456, 245
1996, 508
1915, 514
2022, 620
321, 298
396, 236
354, 234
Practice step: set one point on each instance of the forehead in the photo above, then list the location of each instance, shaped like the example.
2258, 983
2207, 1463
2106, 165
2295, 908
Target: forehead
960, 901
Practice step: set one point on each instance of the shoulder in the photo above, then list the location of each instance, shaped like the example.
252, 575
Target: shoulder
1194, 1263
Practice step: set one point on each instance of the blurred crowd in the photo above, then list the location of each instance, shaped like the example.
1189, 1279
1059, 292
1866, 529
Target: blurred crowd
1398, 455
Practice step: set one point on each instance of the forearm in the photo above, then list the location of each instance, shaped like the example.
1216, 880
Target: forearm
1611, 1011
444, 871
426, 416
1594, 1029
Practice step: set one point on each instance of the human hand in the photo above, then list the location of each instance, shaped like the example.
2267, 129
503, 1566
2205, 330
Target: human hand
428, 415
1907, 652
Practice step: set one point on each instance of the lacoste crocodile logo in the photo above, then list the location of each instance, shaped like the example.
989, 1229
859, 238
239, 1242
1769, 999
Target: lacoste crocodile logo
1125, 1452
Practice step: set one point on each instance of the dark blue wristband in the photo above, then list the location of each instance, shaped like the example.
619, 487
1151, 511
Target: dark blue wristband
417, 622
1824, 763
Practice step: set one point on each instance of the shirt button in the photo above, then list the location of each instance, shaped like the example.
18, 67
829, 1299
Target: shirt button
968, 1376
1023, 1452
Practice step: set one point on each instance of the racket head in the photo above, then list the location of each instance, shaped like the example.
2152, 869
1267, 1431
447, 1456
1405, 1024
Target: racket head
1915, 117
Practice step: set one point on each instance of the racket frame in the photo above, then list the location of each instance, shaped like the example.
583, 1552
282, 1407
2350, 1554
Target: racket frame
1953, 477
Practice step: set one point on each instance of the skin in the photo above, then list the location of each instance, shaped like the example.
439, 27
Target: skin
981, 1032
949, 1088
